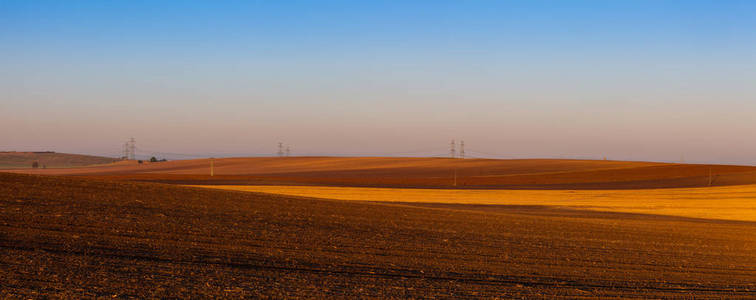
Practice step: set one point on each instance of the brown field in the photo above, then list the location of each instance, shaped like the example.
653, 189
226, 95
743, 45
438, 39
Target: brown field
102, 233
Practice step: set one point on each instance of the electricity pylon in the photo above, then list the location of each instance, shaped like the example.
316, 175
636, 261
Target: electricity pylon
453, 150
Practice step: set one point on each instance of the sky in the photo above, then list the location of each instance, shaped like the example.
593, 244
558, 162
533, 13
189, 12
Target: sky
627, 80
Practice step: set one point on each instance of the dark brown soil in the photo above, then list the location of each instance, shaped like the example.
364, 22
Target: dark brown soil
73, 238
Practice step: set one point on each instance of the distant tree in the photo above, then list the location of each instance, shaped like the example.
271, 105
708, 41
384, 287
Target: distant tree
35, 164
163, 159
140, 161
153, 159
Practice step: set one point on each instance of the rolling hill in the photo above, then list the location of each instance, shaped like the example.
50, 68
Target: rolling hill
423, 173
50, 160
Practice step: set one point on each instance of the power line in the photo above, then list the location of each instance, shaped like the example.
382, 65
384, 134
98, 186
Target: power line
426, 150
486, 154
130, 151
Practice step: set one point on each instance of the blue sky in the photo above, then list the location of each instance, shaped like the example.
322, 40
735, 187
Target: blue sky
639, 80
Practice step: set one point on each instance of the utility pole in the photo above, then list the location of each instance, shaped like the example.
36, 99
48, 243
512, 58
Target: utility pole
710, 179
126, 150
132, 149
280, 149
452, 150
288, 151
212, 167
462, 149
129, 149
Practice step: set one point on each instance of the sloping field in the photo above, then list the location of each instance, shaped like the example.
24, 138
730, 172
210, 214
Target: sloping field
421, 167
71, 237
50, 160
423, 173
722, 203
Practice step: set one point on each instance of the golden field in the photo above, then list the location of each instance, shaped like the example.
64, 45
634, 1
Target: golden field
721, 203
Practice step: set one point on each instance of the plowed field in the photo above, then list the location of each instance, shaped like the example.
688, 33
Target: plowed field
73, 237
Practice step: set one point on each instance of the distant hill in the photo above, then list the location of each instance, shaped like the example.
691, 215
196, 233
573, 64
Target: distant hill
50, 159
421, 173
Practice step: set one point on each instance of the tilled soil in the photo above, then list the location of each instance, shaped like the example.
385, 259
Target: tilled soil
73, 238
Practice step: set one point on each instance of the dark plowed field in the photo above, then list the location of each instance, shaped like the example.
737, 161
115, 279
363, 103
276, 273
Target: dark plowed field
71, 237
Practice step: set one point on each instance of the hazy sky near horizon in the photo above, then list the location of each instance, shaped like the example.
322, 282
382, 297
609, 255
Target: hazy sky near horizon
638, 80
